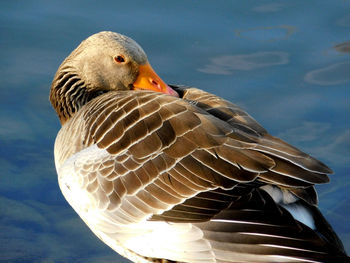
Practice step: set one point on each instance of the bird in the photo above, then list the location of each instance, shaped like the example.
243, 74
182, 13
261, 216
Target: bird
172, 173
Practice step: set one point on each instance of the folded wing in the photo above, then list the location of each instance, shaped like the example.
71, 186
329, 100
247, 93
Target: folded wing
147, 157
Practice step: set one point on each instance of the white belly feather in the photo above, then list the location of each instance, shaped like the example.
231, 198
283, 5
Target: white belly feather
178, 241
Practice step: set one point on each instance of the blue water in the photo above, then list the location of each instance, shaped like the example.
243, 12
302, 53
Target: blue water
286, 62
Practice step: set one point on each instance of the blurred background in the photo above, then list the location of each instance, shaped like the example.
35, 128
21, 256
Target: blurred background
286, 62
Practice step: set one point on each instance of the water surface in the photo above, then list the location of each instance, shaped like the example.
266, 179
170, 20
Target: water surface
286, 62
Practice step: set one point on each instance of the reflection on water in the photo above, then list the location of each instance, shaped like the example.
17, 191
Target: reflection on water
343, 47
335, 74
243, 51
227, 64
270, 33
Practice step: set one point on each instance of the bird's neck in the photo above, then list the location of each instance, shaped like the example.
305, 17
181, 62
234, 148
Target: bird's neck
69, 93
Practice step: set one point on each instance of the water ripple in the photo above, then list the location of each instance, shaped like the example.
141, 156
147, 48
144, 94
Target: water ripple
227, 64
343, 47
335, 74
269, 33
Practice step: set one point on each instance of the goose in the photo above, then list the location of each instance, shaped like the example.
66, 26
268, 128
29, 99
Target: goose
169, 173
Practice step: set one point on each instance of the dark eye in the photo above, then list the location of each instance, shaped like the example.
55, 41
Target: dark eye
119, 59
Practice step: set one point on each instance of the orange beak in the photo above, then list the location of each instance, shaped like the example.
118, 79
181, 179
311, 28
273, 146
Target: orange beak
149, 80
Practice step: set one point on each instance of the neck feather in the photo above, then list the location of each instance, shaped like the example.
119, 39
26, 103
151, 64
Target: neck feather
69, 93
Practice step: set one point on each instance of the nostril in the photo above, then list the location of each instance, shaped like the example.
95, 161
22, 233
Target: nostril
152, 81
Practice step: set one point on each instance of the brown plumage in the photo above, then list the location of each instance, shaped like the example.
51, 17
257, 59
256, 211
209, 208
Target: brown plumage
184, 178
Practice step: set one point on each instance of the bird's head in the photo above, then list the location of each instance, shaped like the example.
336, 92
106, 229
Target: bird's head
104, 62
